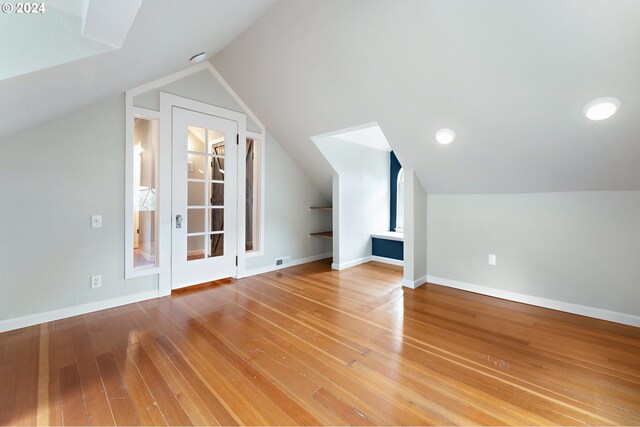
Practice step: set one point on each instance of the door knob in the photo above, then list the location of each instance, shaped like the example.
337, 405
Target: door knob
178, 221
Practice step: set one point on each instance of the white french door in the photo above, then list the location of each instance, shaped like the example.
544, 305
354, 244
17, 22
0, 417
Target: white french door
204, 198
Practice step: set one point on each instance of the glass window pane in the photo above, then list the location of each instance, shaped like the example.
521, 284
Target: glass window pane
145, 137
216, 143
196, 165
196, 194
216, 197
144, 248
195, 220
249, 201
216, 245
252, 194
195, 247
195, 137
217, 169
216, 222
400, 201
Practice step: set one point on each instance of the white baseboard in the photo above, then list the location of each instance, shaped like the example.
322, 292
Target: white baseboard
269, 268
351, 263
598, 313
386, 260
76, 310
413, 284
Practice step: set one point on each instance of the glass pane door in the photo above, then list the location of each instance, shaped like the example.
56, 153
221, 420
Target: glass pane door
205, 193
204, 203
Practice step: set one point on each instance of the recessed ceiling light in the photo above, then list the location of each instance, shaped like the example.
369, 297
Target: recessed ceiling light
445, 136
197, 58
601, 108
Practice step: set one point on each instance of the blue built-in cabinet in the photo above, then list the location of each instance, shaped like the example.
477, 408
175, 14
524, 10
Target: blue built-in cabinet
387, 248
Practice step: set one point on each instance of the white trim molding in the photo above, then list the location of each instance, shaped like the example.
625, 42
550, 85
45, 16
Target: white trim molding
132, 112
386, 260
163, 81
76, 310
163, 269
235, 96
398, 236
351, 263
167, 103
269, 268
597, 313
413, 284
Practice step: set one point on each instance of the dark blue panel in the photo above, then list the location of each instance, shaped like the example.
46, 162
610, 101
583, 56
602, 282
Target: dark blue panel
394, 169
387, 248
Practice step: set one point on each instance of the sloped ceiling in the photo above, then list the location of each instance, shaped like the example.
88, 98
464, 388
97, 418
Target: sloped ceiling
509, 76
164, 35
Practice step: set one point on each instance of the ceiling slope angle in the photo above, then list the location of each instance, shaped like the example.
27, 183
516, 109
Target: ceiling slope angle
61, 31
78, 53
369, 135
510, 79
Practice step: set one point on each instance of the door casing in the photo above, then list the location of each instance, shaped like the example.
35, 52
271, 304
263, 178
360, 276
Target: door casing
185, 271
167, 102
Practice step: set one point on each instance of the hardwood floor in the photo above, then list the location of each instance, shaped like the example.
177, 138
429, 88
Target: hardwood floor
309, 346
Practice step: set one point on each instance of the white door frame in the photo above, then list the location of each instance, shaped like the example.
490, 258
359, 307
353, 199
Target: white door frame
167, 102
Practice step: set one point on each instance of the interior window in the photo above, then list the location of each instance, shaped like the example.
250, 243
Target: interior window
400, 201
252, 201
145, 137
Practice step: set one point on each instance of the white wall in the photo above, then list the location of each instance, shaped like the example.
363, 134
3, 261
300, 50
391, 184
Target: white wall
415, 231
289, 194
201, 86
54, 176
362, 198
577, 247
55, 39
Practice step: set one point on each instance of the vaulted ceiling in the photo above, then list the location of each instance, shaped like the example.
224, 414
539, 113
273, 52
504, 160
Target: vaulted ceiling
163, 36
509, 76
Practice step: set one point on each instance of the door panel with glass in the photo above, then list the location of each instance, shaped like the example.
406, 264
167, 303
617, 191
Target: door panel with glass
204, 198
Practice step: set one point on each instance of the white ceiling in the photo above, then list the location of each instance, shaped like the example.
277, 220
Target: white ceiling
164, 35
72, 7
109, 21
63, 31
509, 76
34, 42
369, 135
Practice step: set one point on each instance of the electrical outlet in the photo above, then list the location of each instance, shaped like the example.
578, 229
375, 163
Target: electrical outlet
493, 260
96, 281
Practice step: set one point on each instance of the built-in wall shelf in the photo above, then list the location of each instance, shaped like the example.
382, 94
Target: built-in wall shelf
325, 234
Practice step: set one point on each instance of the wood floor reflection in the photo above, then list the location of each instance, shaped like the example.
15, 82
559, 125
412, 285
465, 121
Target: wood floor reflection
309, 346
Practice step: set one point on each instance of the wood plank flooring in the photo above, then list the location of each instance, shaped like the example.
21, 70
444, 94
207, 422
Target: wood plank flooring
310, 346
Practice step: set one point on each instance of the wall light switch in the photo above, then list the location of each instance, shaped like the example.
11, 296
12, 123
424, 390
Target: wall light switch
493, 259
96, 221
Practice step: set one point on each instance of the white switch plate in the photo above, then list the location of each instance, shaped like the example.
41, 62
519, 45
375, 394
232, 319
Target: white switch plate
493, 259
96, 221
96, 281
